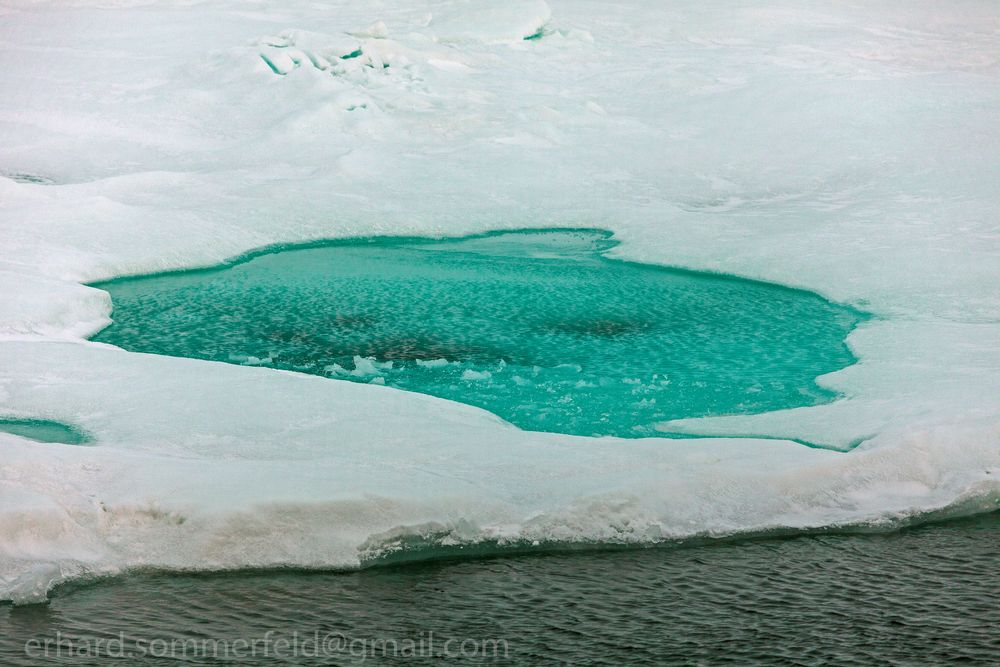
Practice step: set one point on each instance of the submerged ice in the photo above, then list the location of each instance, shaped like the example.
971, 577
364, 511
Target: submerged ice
538, 327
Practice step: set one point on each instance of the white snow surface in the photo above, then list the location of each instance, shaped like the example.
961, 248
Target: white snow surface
849, 149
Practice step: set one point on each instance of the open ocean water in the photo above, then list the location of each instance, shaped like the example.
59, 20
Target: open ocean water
924, 595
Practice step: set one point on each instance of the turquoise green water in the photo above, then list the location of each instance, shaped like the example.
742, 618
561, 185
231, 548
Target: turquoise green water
44, 430
540, 327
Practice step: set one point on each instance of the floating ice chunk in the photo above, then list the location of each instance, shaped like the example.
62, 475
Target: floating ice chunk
433, 363
365, 366
250, 360
576, 368
471, 375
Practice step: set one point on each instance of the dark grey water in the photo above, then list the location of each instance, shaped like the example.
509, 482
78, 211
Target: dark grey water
928, 595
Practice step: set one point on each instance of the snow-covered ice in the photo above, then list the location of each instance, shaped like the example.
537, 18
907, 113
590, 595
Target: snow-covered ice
850, 150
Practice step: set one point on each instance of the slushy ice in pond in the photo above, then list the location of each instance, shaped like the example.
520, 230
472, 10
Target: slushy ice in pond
44, 430
539, 327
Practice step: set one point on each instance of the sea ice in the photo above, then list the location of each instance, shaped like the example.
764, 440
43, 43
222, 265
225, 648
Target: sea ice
851, 150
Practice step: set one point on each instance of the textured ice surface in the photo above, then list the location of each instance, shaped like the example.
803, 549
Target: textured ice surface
845, 149
537, 327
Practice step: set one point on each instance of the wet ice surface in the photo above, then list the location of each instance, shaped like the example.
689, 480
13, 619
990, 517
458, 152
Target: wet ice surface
538, 327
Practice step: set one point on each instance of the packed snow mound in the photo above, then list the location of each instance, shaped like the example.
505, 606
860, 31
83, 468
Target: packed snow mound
365, 70
486, 22
289, 49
